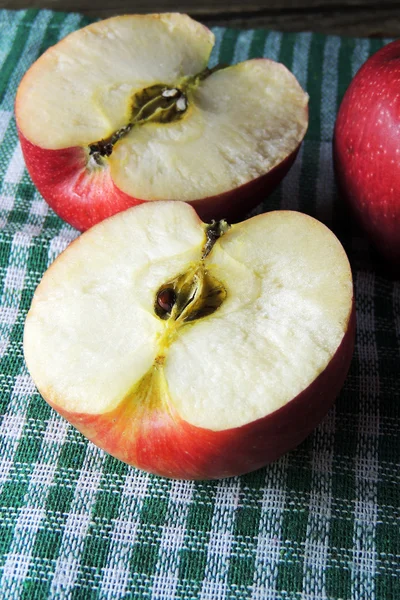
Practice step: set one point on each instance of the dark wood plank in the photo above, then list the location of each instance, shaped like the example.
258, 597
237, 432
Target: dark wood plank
345, 17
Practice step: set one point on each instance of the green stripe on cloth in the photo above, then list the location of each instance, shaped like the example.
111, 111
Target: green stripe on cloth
321, 523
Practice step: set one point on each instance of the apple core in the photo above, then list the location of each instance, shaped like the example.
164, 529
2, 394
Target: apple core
195, 293
159, 103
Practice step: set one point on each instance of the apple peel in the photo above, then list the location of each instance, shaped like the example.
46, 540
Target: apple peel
366, 151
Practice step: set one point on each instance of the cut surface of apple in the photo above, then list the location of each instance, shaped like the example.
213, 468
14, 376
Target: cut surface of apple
127, 108
193, 350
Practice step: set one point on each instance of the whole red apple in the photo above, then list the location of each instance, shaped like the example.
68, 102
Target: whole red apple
366, 149
125, 111
190, 350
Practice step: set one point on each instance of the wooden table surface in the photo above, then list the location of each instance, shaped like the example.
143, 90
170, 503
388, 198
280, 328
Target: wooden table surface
343, 17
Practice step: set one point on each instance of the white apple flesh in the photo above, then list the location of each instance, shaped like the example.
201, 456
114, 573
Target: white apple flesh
125, 111
194, 351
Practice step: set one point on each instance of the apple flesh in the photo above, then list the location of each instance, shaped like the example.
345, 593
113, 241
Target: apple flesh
126, 111
190, 350
367, 150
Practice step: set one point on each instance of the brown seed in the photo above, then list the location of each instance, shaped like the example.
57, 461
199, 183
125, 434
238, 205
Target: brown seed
166, 299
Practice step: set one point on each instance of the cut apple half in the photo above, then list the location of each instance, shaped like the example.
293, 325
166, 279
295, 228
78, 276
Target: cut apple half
125, 111
191, 350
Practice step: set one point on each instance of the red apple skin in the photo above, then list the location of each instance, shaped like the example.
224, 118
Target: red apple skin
80, 197
154, 438
366, 149
83, 198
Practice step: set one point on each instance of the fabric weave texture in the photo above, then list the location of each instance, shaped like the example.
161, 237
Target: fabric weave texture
321, 523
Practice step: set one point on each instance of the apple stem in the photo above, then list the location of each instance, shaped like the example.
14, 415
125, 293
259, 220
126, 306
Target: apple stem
215, 230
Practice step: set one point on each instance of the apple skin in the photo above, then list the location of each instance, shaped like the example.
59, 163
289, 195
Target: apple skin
83, 198
155, 439
79, 197
366, 149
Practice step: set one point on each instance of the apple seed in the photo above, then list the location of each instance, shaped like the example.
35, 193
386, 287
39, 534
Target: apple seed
166, 299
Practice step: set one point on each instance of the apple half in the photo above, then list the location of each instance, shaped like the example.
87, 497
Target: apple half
191, 350
125, 111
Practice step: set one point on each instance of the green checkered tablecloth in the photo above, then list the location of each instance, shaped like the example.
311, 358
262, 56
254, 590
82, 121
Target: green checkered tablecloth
321, 523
